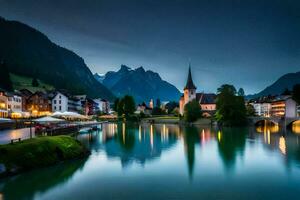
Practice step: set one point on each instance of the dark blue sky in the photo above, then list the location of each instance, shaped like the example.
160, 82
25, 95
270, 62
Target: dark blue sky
248, 43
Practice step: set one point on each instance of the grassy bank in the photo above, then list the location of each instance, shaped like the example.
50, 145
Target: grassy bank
38, 152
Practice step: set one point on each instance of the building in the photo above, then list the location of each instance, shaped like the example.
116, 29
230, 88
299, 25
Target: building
206, 101
103, 105
59, 102
25, 94
38, 104
143, 108
62, 101
3, 105
284, 106
14, 105
262, 109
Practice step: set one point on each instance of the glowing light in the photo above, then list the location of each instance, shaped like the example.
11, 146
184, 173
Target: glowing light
219, 136
282, 145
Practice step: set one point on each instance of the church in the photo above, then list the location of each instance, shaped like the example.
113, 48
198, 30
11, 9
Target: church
207, 101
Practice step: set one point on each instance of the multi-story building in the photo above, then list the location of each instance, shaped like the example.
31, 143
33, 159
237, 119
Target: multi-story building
284, 106
103, 105
38, 104
59, 102
3, 105
262, 109
14, 105
25, 94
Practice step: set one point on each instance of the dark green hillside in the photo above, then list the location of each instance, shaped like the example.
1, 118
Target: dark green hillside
28, 52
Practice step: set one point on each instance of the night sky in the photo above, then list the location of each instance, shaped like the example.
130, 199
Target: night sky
248, 43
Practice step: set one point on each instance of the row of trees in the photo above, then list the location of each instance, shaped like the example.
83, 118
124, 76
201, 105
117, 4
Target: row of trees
124, 106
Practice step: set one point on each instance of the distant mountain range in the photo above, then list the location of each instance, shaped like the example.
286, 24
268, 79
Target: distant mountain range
286, 81
142, 85
27, 52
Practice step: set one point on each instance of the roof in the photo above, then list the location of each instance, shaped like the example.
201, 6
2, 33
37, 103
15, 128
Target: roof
206, 98
189, 83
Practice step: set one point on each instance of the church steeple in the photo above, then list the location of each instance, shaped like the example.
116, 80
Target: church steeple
190, 84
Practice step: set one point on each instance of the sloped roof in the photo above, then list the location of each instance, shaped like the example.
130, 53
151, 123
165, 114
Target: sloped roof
206, 98
190, 84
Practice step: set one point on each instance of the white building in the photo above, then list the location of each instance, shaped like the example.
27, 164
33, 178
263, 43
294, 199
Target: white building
59, 102
14, 105
262, 109
103, 105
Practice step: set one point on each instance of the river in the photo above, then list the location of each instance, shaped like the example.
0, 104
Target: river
171, 162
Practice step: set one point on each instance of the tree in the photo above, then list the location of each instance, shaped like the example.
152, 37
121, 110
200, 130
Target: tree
35, 82
286, 92
192, 111
250, 110
296, 93
116, 102
126, 106
171, 106
5, 82
231, 109
241, 92
158, 103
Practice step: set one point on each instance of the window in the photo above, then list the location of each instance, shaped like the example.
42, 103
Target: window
59, 107
54, 107
59, 101
60, 96
54, 101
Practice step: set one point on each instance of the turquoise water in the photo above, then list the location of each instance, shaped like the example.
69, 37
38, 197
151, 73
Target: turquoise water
171, 162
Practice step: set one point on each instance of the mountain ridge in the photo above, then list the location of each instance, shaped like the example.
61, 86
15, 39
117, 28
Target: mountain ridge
128, 81
28, 52
286, 81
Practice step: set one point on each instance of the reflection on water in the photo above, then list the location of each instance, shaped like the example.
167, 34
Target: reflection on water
143, 161
7, 135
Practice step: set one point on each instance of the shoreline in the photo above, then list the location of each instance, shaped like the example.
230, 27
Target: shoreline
38, 153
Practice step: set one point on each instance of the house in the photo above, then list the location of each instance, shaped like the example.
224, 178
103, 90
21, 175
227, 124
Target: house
143, 108
25, 94
103, 105
14, 105
207, 101
38, 104
3, 104
62, 101
59, 102
284, 106
89, 106
262, 106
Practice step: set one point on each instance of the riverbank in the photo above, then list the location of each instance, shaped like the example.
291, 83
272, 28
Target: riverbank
38, 152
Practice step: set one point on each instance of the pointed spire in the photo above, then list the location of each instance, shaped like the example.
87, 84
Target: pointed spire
190, 84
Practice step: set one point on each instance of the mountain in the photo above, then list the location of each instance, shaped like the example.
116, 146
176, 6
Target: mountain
286, 81
142, 85
28, 52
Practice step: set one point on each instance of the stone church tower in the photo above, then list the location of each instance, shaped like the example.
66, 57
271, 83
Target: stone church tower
189, 89
189, 92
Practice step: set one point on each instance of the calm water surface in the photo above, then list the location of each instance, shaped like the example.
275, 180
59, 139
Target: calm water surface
171, 162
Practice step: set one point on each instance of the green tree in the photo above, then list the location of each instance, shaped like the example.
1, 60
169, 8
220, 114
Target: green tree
5, 82
158, 104
171, 106
231, 109
296, 93
250, 110
116, 102
35, 82
241, 92
126, 106
286, 92
192, 111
